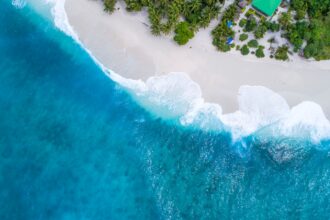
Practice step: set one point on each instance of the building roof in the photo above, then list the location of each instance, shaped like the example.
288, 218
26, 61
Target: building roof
267, 7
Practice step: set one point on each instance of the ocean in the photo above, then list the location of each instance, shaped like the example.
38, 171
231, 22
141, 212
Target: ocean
76, 144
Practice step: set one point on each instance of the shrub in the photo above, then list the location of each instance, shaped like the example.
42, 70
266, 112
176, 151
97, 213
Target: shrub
109, 5
285, 19
245, 50
133, 5
273, 26
243, 37
312, 49
260, 31
221, 45
296, 34
250, 13
251, 24
253, 43
260, 52
242, 22
183, 33
282, 53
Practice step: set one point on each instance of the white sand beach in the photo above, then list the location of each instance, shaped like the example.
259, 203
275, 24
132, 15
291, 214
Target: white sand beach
122, 42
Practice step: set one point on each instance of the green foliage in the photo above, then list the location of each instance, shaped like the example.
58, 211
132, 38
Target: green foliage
318, 39
273, 26
285, 19
308, 30
183, 33
312, 49
314, 8
221, 45
243, 37
245, 50
109, 5
154, 19
260, 52
296, 34
222, 32
133, 5
164, 15
251, 24
200, 13
300, 6
282, 53
230, 13
315, 30
220, 35
260, 30
250, 13
242, 22
253, 43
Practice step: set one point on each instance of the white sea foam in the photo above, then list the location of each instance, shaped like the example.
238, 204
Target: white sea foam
176, 96
61, 19
258, 107
306, 120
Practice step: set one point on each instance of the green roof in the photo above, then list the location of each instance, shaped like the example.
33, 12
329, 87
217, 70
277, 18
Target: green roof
267, 7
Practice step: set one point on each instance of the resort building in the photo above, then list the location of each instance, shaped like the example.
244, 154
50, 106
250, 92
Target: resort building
266, 7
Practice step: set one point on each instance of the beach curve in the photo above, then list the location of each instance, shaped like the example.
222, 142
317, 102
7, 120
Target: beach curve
122, 42
226, 94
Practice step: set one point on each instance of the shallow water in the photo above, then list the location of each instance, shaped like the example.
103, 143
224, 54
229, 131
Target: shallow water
75, 145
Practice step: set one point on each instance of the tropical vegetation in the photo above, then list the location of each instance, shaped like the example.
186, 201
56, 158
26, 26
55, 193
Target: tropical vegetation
304, 25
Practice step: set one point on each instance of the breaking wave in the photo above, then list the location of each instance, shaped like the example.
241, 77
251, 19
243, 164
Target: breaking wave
175, 97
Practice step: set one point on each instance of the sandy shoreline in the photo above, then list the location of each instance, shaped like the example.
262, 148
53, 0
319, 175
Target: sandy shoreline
123, 43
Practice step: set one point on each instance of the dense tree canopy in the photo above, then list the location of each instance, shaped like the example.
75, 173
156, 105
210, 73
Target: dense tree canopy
315, 30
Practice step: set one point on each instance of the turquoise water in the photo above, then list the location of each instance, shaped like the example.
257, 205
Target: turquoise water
74, 145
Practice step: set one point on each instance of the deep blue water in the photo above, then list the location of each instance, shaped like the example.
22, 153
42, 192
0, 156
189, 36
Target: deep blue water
74, 145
